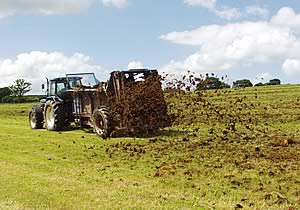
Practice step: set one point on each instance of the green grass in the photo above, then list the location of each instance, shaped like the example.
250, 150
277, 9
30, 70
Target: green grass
199, 163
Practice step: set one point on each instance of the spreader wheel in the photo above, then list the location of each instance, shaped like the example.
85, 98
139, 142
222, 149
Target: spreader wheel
102, 122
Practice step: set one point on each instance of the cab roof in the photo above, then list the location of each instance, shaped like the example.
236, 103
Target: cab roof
66, 78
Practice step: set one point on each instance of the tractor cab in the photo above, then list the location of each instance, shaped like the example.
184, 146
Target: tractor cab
59, 86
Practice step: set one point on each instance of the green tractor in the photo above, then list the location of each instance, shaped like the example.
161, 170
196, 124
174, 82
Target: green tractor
105, 106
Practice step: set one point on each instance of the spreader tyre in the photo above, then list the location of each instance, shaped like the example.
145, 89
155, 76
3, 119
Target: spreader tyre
102, 122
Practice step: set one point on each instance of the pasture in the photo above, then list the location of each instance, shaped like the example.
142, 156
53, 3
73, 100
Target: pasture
227, 149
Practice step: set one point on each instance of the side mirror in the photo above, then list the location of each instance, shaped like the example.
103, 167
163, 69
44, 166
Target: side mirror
43, 86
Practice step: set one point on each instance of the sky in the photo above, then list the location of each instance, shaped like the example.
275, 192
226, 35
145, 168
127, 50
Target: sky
254, 39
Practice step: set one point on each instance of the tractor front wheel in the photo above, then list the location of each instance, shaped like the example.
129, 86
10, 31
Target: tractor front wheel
102, 122
36, 117
54, 116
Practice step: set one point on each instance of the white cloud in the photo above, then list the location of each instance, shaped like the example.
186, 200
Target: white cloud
135, 65
36, 66
210, 4
287, 17
223, 12
222, 47
52, 7
258, 11
115, 3
228, 13
291, 67
44, 7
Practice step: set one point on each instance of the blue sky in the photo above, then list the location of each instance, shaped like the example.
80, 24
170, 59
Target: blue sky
54, 37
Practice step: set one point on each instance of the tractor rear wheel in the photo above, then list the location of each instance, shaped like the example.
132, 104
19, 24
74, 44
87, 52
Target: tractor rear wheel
102, 122
54, 116
36, 117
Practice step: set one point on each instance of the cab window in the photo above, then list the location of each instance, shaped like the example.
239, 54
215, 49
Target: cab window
60, 86
52, 88
74, 83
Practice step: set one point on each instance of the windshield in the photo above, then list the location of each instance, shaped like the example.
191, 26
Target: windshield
87, 79
75, 82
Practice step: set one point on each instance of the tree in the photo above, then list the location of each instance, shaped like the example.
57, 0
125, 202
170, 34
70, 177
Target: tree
4, 92
20, 87
242, 83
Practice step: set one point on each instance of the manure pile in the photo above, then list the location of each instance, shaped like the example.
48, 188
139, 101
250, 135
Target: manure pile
142, 109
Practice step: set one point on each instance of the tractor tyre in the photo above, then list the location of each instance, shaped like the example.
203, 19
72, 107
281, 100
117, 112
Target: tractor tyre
102, 122
36, 117
54, 116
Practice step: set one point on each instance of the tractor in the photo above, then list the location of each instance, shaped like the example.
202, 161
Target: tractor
131, 101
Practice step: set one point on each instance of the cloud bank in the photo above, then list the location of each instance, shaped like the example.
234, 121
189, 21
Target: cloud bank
222, 47
36, 66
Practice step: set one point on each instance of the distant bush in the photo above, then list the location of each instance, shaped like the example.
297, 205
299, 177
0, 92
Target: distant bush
271, 82
212, 83
259, 84
242, 83
274, 82
224, 85
20, 99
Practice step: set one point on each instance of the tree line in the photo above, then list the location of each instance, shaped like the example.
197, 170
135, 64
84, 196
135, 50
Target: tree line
216, 83
15, 92
208, 81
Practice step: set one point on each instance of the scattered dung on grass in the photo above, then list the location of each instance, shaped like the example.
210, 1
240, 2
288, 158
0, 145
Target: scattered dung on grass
230, 116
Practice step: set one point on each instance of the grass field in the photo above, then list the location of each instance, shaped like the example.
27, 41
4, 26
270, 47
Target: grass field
231, 149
